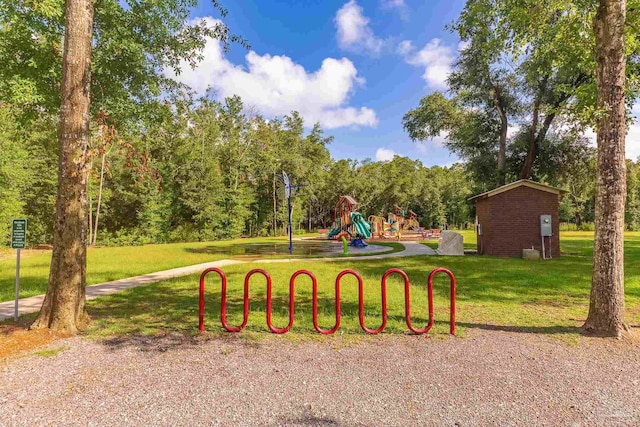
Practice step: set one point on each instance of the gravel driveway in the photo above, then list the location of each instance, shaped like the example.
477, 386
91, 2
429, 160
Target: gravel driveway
489, 378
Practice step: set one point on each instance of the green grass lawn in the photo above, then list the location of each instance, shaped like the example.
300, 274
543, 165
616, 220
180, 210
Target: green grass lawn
548, 297
113, 263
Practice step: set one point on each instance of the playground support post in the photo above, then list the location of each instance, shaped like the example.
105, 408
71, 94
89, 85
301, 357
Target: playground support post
290, 226
288, 188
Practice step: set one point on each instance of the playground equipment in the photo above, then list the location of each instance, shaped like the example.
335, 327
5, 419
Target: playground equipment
398, 221
348, 221
395, 219
379, 226
411, 222
395, 223
314, 284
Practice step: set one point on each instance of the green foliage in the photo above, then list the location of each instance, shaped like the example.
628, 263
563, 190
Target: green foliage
15, 178
202, 170
527, 65
184, 169
28, 162
632, 211
133, 43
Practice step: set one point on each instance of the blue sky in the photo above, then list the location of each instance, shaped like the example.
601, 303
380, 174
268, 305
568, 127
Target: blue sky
356, 66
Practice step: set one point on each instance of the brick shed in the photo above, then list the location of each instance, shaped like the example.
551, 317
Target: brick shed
508, 219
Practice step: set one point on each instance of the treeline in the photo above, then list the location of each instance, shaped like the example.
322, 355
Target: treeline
204, 170
167, 167
198, 170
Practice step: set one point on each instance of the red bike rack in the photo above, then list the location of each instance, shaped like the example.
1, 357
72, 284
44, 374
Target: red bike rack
314, 283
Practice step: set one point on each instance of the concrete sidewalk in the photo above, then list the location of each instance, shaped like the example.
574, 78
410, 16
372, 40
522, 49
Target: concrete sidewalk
410, 249
33, 304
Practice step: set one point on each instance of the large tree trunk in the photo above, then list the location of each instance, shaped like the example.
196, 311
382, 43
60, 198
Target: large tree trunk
535, 140
534, 145
532, 151
64, 305
606, 310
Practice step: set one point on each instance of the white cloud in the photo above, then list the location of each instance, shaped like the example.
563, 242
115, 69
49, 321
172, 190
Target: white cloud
393, 3
438, 141
405, 47
397, 5
276, 85
632, 141
385, 154
462, 45
512, 130
435, 57
354, 33
421, 147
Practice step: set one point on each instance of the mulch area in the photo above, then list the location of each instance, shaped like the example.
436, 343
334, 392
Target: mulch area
17, 340
491, 377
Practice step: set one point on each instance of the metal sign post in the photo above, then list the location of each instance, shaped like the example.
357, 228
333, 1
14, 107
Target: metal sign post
18, 241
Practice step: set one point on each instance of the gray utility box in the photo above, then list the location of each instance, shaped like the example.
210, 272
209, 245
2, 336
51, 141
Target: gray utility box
546, 230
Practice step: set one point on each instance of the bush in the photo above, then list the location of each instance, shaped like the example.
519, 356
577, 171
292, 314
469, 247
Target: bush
124, 237
568, 226
187, 233
587, 226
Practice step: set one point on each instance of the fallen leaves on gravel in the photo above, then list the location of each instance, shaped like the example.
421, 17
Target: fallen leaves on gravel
17, 340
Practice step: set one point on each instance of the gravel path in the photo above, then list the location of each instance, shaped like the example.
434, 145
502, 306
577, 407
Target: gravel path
490, 378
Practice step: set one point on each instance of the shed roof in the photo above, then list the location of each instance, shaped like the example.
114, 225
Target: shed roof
516, 184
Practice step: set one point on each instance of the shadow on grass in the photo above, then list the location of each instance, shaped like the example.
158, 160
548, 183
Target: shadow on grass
169, 309
158, 317
498, 290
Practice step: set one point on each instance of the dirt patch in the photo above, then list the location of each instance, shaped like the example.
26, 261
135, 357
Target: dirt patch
18, 340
